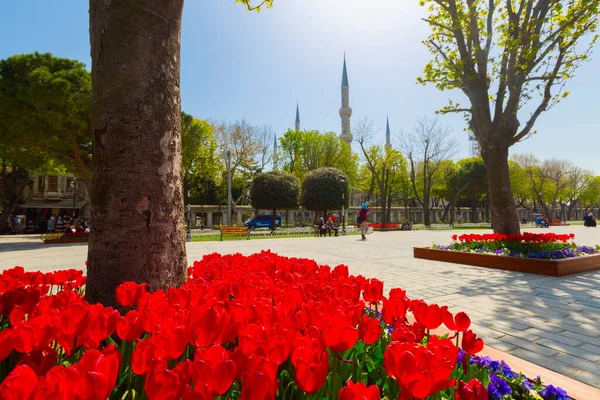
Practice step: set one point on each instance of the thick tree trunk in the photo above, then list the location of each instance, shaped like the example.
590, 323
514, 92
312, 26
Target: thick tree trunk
137, 201
502, 204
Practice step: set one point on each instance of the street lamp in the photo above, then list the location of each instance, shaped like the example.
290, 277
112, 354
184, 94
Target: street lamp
227, 154
188, 233
343, 182
73, 186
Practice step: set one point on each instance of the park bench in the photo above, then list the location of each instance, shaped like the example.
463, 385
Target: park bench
236, 230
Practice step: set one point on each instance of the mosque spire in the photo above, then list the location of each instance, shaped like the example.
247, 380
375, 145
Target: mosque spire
345, 110
344, 73
388, 142
297, 117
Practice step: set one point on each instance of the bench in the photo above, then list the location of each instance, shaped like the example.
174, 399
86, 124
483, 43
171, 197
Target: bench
236, 230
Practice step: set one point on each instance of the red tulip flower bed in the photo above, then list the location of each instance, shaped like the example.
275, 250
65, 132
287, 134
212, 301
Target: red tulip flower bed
550, 246
256, 327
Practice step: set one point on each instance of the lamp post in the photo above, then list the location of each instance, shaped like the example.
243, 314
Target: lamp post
343, 182
227, 154
73, 186
188, 233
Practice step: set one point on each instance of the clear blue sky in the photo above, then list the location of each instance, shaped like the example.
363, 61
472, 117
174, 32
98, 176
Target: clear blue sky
237, 64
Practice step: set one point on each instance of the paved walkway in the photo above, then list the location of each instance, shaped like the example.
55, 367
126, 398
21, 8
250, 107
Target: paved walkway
552, 322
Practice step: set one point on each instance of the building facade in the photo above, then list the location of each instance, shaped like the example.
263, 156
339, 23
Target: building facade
54, 195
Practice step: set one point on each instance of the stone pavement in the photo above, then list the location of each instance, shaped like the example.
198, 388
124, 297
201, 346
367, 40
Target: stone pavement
551, 322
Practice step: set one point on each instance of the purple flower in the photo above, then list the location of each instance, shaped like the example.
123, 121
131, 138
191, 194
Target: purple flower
498, 387
553, 393
507, 371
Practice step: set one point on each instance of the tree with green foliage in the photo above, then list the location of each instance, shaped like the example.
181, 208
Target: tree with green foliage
201, 162
388, 172
275, 190
503, 54
519, 184
45, 110
44, 123
470, 184
324, 189
590, 195
199, 155
304, 151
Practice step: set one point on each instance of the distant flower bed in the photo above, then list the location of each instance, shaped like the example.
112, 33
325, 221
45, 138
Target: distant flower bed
75, 234
548, 246
254, 327
387, 226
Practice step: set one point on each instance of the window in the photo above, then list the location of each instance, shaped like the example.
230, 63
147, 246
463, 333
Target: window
53, 183
41, 184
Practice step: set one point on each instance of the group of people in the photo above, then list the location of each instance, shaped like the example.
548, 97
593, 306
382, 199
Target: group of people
542, 221
589, 220
55, 223
326, 227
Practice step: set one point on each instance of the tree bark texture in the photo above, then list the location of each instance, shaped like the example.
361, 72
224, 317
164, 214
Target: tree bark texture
138, 229
504, 211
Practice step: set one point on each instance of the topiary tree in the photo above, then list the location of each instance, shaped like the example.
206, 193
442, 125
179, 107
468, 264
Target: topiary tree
324, 189
275, 190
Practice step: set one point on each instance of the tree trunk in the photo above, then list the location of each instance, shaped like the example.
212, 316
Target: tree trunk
425, 205
137, 201
274, 220
502, 204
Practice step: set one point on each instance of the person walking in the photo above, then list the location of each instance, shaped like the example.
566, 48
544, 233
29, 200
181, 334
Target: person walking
51, 224
364, 225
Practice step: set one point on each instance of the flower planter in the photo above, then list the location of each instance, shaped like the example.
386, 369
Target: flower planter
60, 238
561, 267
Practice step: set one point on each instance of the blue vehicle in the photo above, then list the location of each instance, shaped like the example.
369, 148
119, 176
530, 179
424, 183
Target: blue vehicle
263, 221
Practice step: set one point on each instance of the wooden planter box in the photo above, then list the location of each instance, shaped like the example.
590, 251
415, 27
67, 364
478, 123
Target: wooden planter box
562, 267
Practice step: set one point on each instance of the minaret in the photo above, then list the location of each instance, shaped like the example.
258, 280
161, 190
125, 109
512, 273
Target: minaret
275, 152
388, 142
345, 111
297, 117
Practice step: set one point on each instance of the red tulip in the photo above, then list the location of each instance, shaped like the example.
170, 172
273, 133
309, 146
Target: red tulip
429, 316
472, 390
162, 383
463, 322
214, 370
421, 371
98, 372
448, 318
359, 391
394, 309
19, 384
260, 381
369, 329
338, 334
470, 343
129, 327
373, 291
311, 361
143, 356
128, 293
